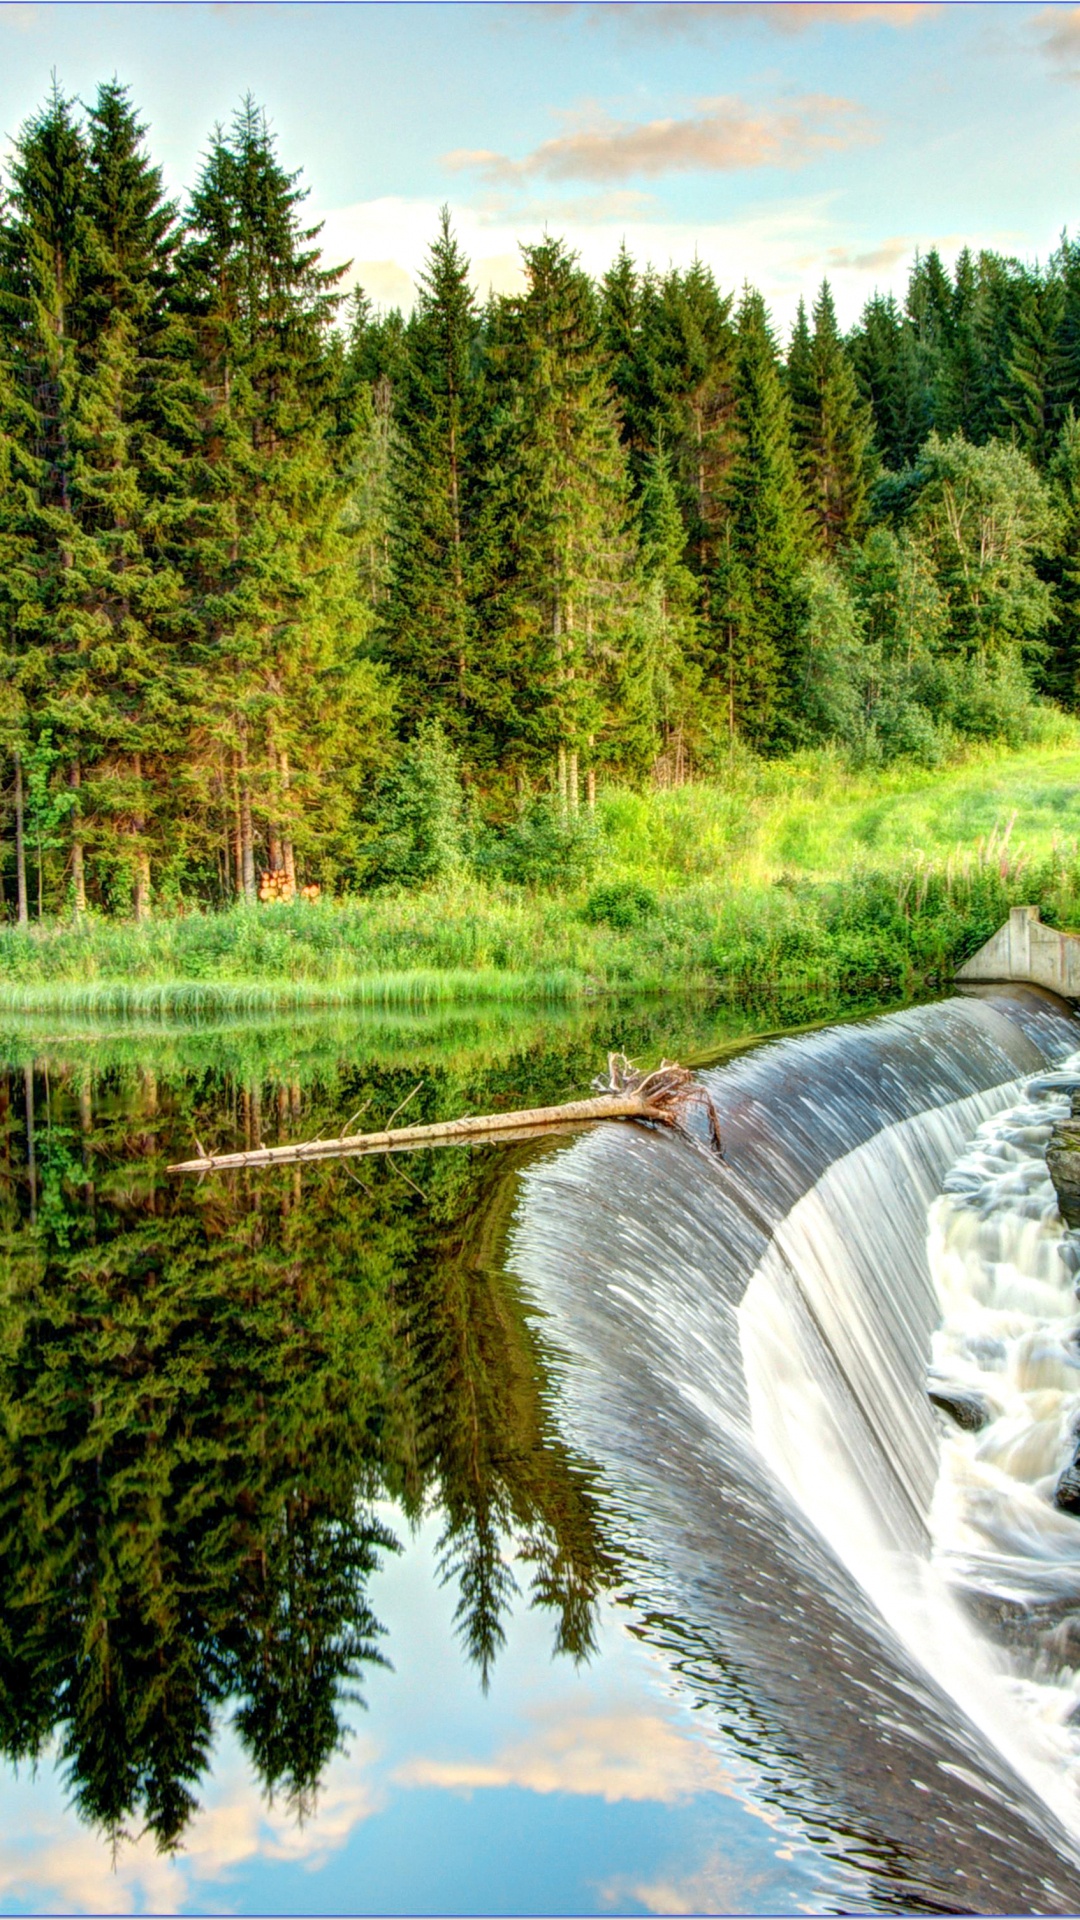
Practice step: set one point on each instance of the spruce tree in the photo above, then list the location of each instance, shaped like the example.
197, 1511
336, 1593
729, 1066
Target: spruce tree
664, 721
559, 563
122, 588
292, 710
1028, 397
832, 427
688, 345
42, 248
428, 624
1063, 674
885, 355
755, 604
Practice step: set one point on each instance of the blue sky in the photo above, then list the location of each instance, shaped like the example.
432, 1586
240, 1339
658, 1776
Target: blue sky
779, 142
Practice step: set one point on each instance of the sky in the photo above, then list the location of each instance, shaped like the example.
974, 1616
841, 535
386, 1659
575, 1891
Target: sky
780, 143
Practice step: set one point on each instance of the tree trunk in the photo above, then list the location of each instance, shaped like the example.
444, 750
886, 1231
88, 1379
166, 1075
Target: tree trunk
141, 891
20, 846
286, 844
237, 837
590, 788
573, 780
31, 1163
247, 836
562, 778
78, 869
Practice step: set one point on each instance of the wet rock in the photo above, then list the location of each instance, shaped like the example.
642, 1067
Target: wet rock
1063, 1160
962, 1404
1067, 1491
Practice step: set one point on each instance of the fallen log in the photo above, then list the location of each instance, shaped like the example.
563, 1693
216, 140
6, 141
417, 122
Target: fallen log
660, 1098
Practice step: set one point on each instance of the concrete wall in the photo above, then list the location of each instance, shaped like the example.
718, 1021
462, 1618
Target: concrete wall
1023, 949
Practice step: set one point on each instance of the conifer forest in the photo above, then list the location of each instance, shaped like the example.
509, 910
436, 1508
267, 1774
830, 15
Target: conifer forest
281, 574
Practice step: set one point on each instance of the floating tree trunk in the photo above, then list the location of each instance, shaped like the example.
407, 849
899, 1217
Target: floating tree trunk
662, 1097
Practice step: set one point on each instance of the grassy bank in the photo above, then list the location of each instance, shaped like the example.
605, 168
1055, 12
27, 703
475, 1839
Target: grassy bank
792, 882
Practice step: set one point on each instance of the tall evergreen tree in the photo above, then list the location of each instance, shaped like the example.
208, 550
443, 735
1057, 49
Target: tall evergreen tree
428, 624
832, 427
885, 356
122, 589
756, 614
557, 547
42, 249
274, 623
1028, 398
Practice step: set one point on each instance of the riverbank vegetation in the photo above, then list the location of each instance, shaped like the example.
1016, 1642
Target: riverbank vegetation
798, 886
581, 641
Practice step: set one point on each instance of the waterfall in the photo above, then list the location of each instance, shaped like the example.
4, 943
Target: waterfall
744, 1350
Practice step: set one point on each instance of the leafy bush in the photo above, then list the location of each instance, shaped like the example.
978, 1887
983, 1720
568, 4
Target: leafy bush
621, 905
544, 848
417, 819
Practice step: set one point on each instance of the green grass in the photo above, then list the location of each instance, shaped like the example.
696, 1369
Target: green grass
790, 880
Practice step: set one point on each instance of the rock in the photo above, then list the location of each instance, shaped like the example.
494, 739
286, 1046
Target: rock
1067, 1491
1063, 1161
962, 1404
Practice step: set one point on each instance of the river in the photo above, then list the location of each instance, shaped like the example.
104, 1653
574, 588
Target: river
546, 1528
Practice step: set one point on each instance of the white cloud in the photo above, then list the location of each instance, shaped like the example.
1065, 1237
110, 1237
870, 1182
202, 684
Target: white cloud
785, 249
611, 1753
692, 17
49, 1862
723, 135
1058, 28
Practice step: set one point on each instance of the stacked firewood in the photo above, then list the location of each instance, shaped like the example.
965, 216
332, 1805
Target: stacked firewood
275, 884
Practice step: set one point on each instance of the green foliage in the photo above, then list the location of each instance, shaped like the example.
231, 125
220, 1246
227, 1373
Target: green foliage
546, 846
417, 819
832, 427
252, 536
622, 904
206, 1394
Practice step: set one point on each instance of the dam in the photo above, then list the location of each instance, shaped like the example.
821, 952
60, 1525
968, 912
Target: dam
747, 1348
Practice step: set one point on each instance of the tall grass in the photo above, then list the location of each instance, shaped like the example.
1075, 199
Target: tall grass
787, 882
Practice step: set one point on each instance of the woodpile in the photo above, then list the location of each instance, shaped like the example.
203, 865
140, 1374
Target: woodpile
275, 884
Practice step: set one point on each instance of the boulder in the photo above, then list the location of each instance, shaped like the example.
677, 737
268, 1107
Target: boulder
1063, 1160
962, 1404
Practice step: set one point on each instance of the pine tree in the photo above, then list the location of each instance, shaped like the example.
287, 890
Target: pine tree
755, 605
293, 712
558, 557
661, 697
1028, 399
1064, 571
18, 475
42, 248
885, 355
688, 346
832, 427
122, 589
962, 397
428, 623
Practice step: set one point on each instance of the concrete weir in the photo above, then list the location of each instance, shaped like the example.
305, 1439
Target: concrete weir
1023, 949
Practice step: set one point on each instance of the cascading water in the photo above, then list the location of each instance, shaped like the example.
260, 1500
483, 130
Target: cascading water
745, 1354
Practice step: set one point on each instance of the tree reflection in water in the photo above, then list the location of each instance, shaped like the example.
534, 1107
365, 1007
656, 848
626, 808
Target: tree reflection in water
206, 1391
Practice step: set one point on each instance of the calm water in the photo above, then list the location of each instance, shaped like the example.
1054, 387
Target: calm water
305, 1600
341, 1569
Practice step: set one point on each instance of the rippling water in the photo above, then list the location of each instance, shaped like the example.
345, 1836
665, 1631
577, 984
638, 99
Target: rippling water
746, 1352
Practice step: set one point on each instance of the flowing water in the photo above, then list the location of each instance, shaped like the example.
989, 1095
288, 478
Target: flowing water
541, 1529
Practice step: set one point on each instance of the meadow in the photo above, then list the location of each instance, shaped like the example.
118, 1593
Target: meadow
792, 882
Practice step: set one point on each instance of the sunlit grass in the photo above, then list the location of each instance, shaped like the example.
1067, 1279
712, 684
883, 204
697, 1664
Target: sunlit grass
789, 877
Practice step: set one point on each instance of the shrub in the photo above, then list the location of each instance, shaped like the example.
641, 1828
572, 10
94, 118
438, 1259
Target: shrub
417, 819
544, 848
622, 904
